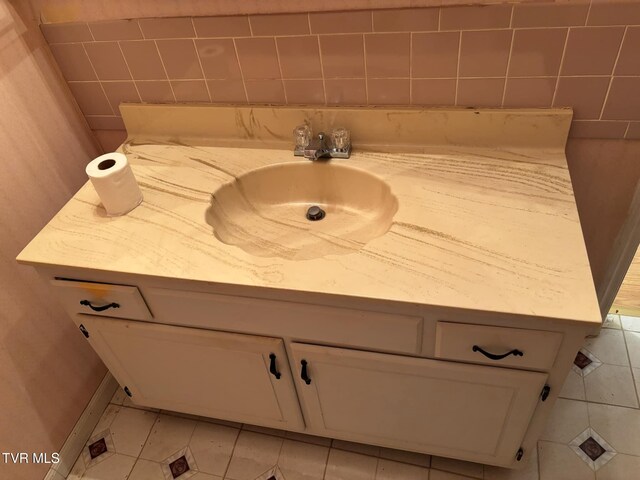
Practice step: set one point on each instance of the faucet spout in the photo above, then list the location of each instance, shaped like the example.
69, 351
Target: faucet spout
317, 148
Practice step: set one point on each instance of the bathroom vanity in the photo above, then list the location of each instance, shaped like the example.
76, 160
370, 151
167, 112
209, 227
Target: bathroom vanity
437, 308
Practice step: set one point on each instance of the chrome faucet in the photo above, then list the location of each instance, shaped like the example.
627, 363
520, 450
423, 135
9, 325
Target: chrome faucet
339, 146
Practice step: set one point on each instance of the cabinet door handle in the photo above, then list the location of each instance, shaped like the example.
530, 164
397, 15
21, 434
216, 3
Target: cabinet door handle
493, 356
99, 309
303, 372
272, 366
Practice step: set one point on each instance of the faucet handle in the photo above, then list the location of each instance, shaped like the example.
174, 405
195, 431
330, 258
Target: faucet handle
341, 138
302, 136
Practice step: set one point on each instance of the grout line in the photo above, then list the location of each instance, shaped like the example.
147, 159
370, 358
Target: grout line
284, 90
90, 31
128, 69
504, 89
439, 18
626, 346
250, 27
324, 82
626, 132
366, 78
104, 92
511, 17
244, 86
586, 20
235, 442
564, 51
455, 100
206, 84
613, 70
165, 69
410, 68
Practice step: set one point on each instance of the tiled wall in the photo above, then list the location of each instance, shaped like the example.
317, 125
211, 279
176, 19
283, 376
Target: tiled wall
582, 55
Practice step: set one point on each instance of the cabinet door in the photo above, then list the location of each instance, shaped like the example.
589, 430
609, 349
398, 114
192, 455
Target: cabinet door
202, 372
470, 412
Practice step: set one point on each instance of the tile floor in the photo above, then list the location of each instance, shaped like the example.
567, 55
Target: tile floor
593, 434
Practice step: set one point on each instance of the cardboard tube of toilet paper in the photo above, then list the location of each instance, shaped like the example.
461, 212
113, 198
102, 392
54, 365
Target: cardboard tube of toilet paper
113, 179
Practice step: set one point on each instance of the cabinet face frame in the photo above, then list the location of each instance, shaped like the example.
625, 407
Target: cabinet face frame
138, 356
506, 397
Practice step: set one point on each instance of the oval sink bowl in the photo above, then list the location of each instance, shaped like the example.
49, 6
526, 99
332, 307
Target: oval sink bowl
301, 211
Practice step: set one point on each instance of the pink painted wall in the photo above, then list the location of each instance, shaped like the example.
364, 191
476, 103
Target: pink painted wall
48, 372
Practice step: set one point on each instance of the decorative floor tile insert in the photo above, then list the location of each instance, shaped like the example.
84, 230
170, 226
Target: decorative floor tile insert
585, 362
592, 448
273, 473
98, 448
180, 465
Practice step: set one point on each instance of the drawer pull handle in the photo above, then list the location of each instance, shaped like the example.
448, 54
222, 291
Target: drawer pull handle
272, 366
99, 309
303, 372
492, 356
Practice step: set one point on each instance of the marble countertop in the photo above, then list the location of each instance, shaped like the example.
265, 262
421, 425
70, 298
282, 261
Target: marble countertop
490, 229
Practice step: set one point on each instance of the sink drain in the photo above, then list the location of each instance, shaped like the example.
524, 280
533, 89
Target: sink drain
315, 213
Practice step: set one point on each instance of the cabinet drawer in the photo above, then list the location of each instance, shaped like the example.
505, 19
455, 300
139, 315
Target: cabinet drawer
101, 299
498, 346
337, 326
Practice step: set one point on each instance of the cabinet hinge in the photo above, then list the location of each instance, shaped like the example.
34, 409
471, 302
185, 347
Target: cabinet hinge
545, 392
520, 454
84, 331
127, 391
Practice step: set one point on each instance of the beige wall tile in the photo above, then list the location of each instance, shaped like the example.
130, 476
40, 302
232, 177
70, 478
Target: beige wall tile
584, 94
107, 61
634, 131
299, 57
280, 24
304, 92
155, 91
342, 56
484, 54
550, 15
258, 58
120, 92
143, 60
559, 462
340, 22
91, 98
66, 32
167, 27
623, 101
388, 91
227, 91
480, 92
591, 51
387, 54
116, 30
437, 92
73, 61
219, 59
614, 13
254, 454
597, 129
435, 55
180, 59
102, 122
346, 91
537, 52
475, 17
529, 92
405, 20
190, 90
619, 426
229, 26
629, 60
109, 140
265, 91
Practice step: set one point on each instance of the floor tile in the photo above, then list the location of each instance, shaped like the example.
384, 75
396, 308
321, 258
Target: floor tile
302, 461
559, 462
390, 470
630, 323
633, 345
254, 454
212, 446
356, 447
611, 384
440, 475
592, 449
573, 387
612, 321
608, 347
130, 430
179, 465
457, 466
636, 376
568, 419
620, 426
585, 362
529, 470
168, 435
619, 468
302, 437
343, 465
116, 467
420, 459
146, 470
106, 419
118, 397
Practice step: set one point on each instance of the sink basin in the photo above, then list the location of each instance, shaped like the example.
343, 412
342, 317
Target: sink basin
268, 212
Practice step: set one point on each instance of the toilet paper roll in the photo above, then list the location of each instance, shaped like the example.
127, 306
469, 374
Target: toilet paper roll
115, 183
